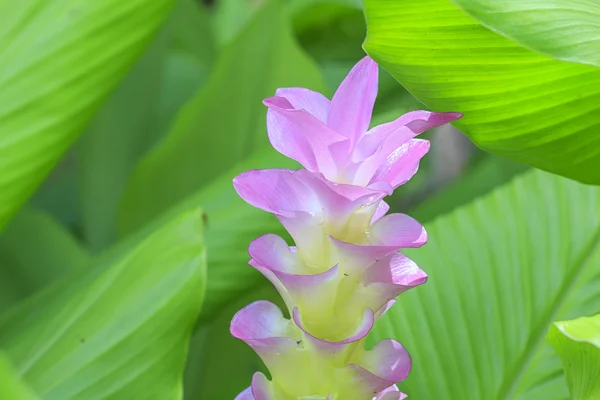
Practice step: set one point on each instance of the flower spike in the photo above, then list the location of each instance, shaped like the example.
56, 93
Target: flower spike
345, 269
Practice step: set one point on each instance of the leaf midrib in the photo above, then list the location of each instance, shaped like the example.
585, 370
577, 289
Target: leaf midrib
537, 338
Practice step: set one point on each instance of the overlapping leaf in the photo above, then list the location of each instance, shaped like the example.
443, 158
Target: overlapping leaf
577, 342
137, 114
59, 60
34, 252
225, 122
501, 270
563, 29
12, 387
516, 102
120, 330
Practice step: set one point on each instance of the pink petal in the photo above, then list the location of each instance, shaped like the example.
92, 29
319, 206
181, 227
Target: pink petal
402, 163
391, 393
245, 395
272, 252
368, 381
278, 191
280, 264
388, 360
301, 136
262, 326
382, 208
388, 137
352, 105
261, 387
397, 270
399, 231
385, 308
389, 277
314, 103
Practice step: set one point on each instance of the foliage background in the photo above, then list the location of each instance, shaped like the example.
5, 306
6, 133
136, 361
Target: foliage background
123, 255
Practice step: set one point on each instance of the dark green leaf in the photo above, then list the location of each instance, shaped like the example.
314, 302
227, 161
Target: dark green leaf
35, 251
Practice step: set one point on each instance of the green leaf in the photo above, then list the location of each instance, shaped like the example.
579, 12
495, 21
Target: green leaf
516, 102
230, 226
501, 269
120, 330
60, 59
30, 261
567, 30
137, 115
12, 388
225, 122
480, 178
577, 342
121, 132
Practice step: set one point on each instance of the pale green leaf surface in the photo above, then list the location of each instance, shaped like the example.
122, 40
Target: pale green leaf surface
501, 269
137, 114
577, 342
231, 17
11, 386
120, 330
563, 29
35, 251
516, 103
225, 122
60, 59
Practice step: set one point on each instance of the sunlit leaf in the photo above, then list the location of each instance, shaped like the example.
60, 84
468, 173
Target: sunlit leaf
577, 342
120, 330
564, 29
501, 269
12, 387
60, 59
517, 103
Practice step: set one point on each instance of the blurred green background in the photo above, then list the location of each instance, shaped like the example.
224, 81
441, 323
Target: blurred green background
187, 117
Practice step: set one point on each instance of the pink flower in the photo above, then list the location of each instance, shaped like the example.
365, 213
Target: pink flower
345, 270
333, 137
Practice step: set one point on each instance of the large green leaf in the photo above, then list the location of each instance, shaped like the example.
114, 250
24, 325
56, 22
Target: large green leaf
35, 251
59, 61
577, 342
225, 122
564, 29
136, 116
12, 387
120, 330
501, 269
516, 102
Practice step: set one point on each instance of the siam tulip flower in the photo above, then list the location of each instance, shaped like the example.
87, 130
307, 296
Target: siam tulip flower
345, 270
